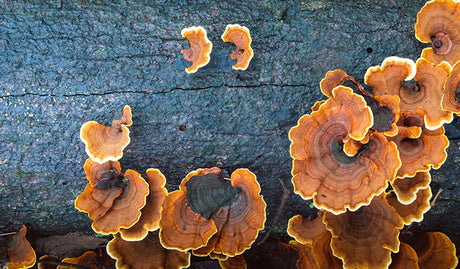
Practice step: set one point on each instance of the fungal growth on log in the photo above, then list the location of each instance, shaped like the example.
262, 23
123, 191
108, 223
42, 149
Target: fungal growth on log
240, 36
200, 48
451, 95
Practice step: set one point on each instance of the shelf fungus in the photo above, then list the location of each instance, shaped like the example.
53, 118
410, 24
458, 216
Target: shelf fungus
434, 250
89, 259
240, 36
211, 214
237, 262
200, 48
414, 211
406, 188
20, 252
103, 143
305, 258
438, 23
306, 229
406, 258
147, 253
114, 201
385, 109
323, 171
365, 238
419, 87
322, 252
451, 96
150, 213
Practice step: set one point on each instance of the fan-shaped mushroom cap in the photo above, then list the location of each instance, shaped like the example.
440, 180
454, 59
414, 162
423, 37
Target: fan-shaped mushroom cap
322, 171
239, 35
306, 259
47, 258
322, 252
237, 262
146, 253
406, 188
419, 154
150, 213
103, 143
200, 48
365, 238
438, 22
125, 210
306, 229
406, 258
20, 252
339, 77
423, 97
413, 211
451, 96
434, 250
87, 260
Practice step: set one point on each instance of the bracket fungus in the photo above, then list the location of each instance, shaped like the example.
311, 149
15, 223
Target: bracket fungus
406, 188
306, 259
237, 262
322, 252
365, 238
20, 252
438, 23
150, 213
103, 143
406, 258
414, 211
146, 253
423, 96
240, 36
200, 48
86, 260
451, 96
321, 169
213, 213
306, 229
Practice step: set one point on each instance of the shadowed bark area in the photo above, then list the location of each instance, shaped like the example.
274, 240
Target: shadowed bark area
63, 63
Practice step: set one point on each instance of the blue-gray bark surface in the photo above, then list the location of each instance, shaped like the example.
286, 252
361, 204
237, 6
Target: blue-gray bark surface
63, 63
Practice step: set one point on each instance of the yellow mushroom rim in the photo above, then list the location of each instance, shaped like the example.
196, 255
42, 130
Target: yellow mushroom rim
451, 95
87, 260
438, 23
200, 48
406, 188
414, 211
103, 143
306, 229
405, 258
240, 36
434, 250
20, 252
306, 259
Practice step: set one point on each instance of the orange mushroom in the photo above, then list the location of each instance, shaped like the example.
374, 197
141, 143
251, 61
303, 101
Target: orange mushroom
103, 143
451, 96
200, 48
306, 259
240, 36
150, 213
406, 188
146, 253
365, 238
44, 262
322, 252
422, 97
414, 211
306, 229
87, 260
434, 250
438, 22
406, 258
20, 252
237, 262
322, 171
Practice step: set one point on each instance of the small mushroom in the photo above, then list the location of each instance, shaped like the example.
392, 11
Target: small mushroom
405, 258
306, 229
146, 253
306, 259
451, 96
438, 23
20, 252
365, 238
240, 36
322, 252
200, 48
406, 188
103, 143
87, 260
414, 211
237, 262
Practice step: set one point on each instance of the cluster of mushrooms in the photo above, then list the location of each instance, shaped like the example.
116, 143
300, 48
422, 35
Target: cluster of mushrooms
365, 157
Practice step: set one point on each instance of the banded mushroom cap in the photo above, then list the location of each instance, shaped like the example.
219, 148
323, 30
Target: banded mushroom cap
239, 220
86, 260
322, 252
321, 169
237, 262
451, 96
405, 258
125, 210
180, 227
406, 188
42, 262
365, 238
240, 36
306, 259
422, 96
422, 153
414, 211
434, 250
20, 252
438, 22
306, 229
200, 48
146, 253
151, 212
385, 109
103, 143
97, 173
